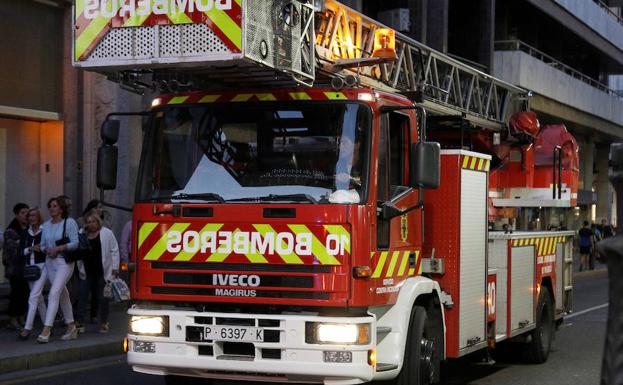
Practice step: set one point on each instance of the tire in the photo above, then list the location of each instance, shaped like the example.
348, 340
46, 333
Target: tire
183, 380
543, 334
418, 366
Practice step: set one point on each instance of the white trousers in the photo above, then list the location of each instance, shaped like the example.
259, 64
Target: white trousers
35, 300
59, 274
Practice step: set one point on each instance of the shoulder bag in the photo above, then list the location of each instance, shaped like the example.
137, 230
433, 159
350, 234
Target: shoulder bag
82, 251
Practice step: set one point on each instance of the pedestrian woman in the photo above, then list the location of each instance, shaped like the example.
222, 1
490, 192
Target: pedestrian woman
59, 235
14, 266
33, 256
99, 267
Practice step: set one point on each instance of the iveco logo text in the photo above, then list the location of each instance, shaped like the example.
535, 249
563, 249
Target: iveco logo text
244, 242
235, 280
130, 8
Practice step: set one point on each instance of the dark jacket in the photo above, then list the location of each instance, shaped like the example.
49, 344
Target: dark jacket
11, 255
28, 240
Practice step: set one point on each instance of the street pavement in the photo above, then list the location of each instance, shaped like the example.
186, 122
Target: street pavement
17, 355
96, 358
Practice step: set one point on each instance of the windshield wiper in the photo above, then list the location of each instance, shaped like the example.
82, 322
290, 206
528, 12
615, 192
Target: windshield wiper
278, 197
197, 196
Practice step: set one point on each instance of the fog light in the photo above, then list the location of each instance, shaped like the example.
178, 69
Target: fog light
338, 356
372, 357
144, 347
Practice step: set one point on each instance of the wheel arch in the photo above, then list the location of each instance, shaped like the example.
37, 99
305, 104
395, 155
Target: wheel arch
415, 291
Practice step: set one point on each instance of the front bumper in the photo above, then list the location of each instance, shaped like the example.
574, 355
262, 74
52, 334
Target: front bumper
286, 358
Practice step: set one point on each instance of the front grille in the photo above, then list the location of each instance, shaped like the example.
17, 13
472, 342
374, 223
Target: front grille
206, 350
273, 354
265, 280
240, 292
241, 267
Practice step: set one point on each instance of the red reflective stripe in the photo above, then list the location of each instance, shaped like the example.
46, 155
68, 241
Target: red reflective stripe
95, 42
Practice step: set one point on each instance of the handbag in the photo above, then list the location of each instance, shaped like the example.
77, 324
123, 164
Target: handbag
120, 290
32, 272
83, 250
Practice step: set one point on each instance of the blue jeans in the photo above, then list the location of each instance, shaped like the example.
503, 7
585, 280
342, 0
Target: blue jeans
93, 287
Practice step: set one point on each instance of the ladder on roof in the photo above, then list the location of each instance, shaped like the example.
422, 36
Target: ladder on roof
449, 86
277, 43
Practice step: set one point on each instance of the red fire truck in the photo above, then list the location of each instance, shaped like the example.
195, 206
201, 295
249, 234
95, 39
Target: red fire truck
319, 197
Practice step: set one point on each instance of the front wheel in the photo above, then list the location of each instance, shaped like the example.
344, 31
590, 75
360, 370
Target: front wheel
542, 335
418, 367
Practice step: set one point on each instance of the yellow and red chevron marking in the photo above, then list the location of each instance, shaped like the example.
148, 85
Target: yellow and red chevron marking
543, 245
91, 24
260, 96
475, 163
183, 241
395, 263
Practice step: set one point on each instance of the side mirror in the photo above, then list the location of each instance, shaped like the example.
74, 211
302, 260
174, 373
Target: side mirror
107, 167
425, 165
110, 131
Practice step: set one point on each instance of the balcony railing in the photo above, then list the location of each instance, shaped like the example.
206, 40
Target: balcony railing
609, 10
517, 45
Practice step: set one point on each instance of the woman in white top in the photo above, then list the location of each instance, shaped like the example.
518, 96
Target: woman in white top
101, 266
31, 250
59, 235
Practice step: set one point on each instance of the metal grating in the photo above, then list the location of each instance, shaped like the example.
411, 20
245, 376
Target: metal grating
174, 41
116, 45
143, 42
170, 38
199, 39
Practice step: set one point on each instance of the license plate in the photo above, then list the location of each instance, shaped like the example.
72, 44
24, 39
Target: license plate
233, 333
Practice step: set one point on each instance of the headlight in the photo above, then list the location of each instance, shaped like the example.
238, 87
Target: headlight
149, 325
326, 333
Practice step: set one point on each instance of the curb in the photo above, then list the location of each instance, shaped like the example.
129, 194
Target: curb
50, 358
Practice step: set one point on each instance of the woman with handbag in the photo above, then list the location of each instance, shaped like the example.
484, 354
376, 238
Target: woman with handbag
98, 268
59, 235
34, 270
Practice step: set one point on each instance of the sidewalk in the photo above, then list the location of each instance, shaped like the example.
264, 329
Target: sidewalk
17, 355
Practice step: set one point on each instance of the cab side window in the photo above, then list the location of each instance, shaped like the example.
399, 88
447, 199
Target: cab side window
393, 175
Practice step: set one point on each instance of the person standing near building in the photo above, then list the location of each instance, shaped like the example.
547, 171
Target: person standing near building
31, 251
14, 265
59, 235
607, 230
586, 245
126, 242
100, 267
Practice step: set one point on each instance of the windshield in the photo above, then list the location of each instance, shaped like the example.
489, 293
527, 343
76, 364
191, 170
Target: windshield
274, 152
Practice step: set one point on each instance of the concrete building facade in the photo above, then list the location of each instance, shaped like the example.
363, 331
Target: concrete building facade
568, 53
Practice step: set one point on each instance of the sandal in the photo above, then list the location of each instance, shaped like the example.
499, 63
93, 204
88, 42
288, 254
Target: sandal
104, 328
24, 334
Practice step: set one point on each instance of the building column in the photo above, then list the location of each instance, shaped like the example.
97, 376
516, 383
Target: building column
437, 25
603, 188
487, 25
418, 13
72, 109
587, 154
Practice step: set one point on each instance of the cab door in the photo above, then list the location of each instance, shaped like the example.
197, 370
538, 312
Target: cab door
397, 244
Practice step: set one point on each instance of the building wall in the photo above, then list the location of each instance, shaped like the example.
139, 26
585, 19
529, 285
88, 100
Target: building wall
30, 67
31, 164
